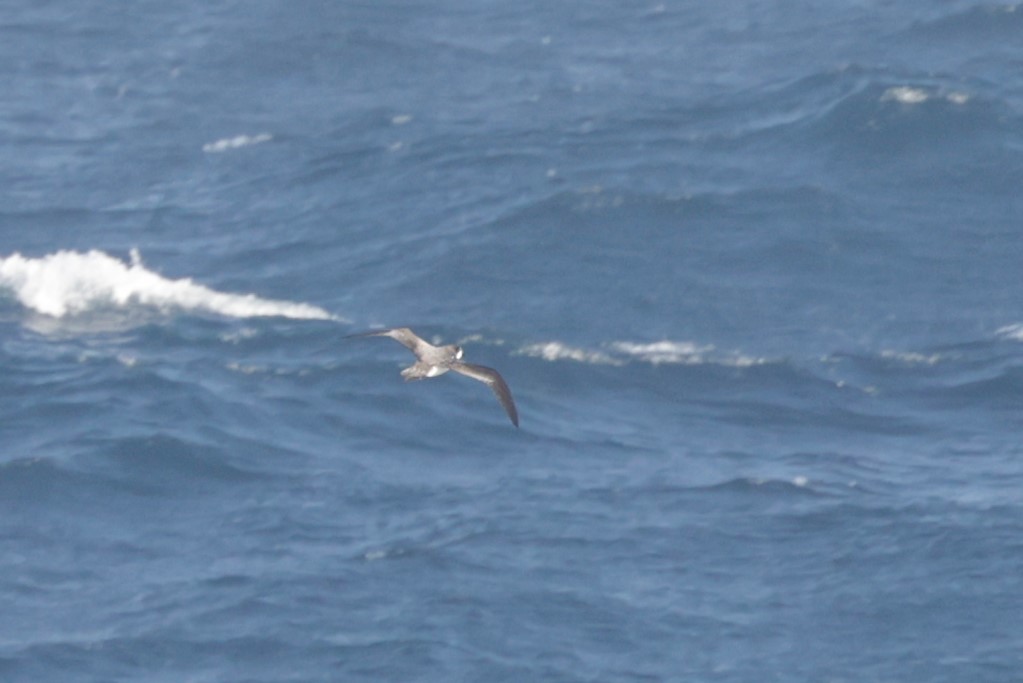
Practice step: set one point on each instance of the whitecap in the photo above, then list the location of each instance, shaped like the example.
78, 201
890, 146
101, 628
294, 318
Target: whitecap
683, 353
905, 95
654, 353
127, 360
911, 357
1013, 332
67, 283
237, 142
557, 351
664, 351
239, 336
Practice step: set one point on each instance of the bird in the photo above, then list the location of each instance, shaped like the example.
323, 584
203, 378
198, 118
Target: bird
433, 361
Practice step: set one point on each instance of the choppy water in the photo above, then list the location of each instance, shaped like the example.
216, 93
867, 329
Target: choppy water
752, 272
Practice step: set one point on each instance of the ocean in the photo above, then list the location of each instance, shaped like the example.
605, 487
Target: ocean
751, 271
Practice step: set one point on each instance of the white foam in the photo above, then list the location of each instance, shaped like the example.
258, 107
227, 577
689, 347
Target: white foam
905, 95
664, 351
1014, 332
911, 357
682, 353
70, 282
655, 353
557, 351
236, 142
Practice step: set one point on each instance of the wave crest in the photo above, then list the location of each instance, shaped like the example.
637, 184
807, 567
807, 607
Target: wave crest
654, 353
237, 142
69, 283
1012, 332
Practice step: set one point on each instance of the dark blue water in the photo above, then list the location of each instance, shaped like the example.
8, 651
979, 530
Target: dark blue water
752, 271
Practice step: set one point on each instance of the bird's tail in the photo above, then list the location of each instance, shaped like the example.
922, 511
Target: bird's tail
415, 372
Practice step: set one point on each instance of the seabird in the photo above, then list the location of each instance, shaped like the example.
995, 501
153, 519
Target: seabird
434, 361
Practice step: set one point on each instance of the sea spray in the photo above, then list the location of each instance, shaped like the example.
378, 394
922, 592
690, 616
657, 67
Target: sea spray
69, 283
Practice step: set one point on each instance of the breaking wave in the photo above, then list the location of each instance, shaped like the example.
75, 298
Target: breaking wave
1013, 332
655, 353
237, 142
68, 283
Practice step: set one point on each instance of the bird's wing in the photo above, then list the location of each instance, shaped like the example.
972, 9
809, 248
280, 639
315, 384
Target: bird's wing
402, 335
492, 379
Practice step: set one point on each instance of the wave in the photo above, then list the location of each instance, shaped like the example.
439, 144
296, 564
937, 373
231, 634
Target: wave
68, 283
910, 95
798, 484
237, 142
654, 353
555, 351
1011, 332
983, 23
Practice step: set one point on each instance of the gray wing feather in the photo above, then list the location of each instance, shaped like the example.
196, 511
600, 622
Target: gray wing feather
492, 379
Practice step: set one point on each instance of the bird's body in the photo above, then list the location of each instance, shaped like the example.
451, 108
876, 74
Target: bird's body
433, 361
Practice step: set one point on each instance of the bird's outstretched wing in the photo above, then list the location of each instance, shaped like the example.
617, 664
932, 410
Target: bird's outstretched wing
492, 379
402, 335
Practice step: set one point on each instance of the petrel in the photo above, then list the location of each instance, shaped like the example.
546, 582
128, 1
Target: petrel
434, 361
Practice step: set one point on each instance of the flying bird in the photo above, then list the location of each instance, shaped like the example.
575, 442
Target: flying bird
433, 361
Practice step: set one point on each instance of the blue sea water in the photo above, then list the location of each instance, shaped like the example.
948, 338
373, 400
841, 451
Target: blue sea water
752, 271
